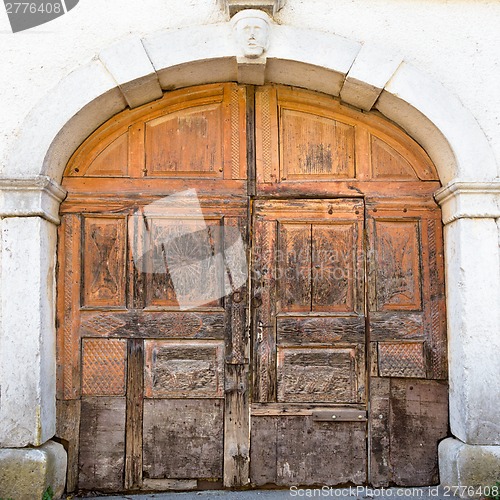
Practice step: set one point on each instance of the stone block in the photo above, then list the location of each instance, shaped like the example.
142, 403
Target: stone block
26, 473
470, 467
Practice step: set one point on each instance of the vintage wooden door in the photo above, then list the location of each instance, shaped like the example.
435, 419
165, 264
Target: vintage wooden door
250, 305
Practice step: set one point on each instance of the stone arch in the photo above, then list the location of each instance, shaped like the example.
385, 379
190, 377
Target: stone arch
136, 71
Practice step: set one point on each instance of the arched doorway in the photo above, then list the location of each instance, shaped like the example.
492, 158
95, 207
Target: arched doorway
325, 366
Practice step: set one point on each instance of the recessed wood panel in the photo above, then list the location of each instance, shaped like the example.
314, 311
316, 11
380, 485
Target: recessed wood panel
186, 263
188, 142
183, 439
315, 146
299, 330
104, 261
104, 367
397, 262
112, 161
334, 251
401, 359
317, 375
294, 267
183, 370
291, 451
387, 163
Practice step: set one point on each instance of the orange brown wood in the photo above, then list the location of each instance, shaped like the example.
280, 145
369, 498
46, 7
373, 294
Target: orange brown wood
325, 366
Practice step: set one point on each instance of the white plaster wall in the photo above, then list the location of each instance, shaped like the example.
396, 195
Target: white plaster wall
456, 41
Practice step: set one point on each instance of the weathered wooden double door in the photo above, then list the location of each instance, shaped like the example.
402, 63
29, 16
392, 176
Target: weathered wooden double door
250, 291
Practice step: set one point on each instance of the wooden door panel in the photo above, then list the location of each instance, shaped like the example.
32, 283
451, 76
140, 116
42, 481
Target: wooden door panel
296, 450
294, 264
335, 249
319, 375
102, 444
183, 370
183, 438
104, 246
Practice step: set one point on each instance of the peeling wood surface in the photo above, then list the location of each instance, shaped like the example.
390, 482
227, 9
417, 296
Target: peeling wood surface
335, 193
183, 438
102, 444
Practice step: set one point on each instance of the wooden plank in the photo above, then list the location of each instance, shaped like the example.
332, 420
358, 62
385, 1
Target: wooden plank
294, 267
104, 261
326, 453
302, 330
147, 324
183, 439
178, 370
102, 444
136, 150
339, 415
396, 325
263, 451
264, 309
134, 420
68, 309
236, 290
298, 409
170, 484
418, 421
379, 427
68, 432
318, 375
236, 426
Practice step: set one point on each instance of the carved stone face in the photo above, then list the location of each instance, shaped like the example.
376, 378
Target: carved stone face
252, 35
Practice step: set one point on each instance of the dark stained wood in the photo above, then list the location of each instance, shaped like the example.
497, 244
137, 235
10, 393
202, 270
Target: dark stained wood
174, 369
401, 359
102, 444
301, 330
263, 451
334, 273
294, 266
104, 261
263, 304
318, 375
379, 428
290, 451
400, 325
183, 438
144, 324
68, 431
134, 420
419, 420
236, 426
408, 419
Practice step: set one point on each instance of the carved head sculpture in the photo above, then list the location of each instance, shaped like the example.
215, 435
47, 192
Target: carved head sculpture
251, 30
